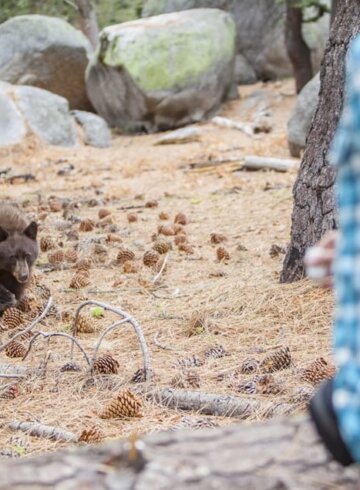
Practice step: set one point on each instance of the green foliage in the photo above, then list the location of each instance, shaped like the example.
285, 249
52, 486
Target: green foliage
108, 11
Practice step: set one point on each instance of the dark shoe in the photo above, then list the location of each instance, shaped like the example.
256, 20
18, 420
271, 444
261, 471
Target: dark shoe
323, 415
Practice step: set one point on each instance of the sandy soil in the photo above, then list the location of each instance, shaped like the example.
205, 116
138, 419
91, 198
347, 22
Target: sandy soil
247, 311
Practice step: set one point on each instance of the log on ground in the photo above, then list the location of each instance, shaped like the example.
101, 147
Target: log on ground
282, 454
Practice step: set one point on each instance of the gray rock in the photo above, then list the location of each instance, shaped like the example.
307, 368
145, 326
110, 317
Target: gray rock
182, 135
163, 72
47, 115
244, 73
12, 125
96, 130
302, 115
45, 52
260, 31
25, 110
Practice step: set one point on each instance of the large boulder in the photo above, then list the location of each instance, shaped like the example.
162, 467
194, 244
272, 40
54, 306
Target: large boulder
165, 71
96, 131
34, 110
302, 115
260, 31
45, 52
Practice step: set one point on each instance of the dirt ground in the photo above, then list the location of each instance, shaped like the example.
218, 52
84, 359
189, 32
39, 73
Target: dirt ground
245, 309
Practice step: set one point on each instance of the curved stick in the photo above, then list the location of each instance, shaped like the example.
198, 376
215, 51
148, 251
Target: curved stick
126, 318
31, 326
56, 334
97, 346
157, 277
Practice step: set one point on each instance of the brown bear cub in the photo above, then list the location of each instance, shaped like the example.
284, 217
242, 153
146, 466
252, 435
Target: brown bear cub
18, 252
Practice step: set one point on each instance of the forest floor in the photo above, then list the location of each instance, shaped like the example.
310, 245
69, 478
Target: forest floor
245, 308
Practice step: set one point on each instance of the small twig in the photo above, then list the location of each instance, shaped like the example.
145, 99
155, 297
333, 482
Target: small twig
56, 334
158, 344
26, 178
31, 326
129, 319
7, 376
157, 277
44, 431
134, 206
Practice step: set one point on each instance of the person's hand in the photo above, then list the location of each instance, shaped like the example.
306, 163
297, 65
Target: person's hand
319, 260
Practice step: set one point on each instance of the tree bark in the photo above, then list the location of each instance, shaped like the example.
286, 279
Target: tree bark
88, 20
284, 454
334, 5
297, 49
314, 209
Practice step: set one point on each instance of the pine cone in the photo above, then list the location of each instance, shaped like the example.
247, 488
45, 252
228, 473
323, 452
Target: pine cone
55, 205
130, 268
249, 366
163, 216
106, 364
112, 238
94, 434
188, 362
246, 387
266, 385
151, 258
71, 255
302, 395
216, 351
222, 254
318, 371
217, 238
125, 255
86, 225
28, 303
185, 247
139, 376
103, 212
124, 404
276, 361
83, 265
179, 230
132, 217
85, 324
46, 243
12, 318
11, 392
79, 280
15, 349
162, 247
70, 367
276, 250
22, 338
180, 240
166, 230
151, 204
56, 257
181, 219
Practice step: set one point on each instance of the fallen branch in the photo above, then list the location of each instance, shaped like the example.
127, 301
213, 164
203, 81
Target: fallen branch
213, 163
13, 371
24, 177
265, 163
46, 335
126, 319
284, 454
31, 326
44, 431
224, 122
158, 344
216, 404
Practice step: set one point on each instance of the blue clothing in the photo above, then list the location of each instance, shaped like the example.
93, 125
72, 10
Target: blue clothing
345, 154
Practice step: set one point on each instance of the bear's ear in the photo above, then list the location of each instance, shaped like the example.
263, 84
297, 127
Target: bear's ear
31, 230
3, 234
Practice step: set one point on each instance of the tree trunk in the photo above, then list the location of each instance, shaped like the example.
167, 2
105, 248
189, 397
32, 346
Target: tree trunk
284, 454
297, 49
314, 203
334, 5
88, 20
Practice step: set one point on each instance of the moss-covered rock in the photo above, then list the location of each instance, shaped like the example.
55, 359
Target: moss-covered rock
179, 66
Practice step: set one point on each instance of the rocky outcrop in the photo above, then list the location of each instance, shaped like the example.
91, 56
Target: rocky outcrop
260, 31
301, 116
45, 52
163, 72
